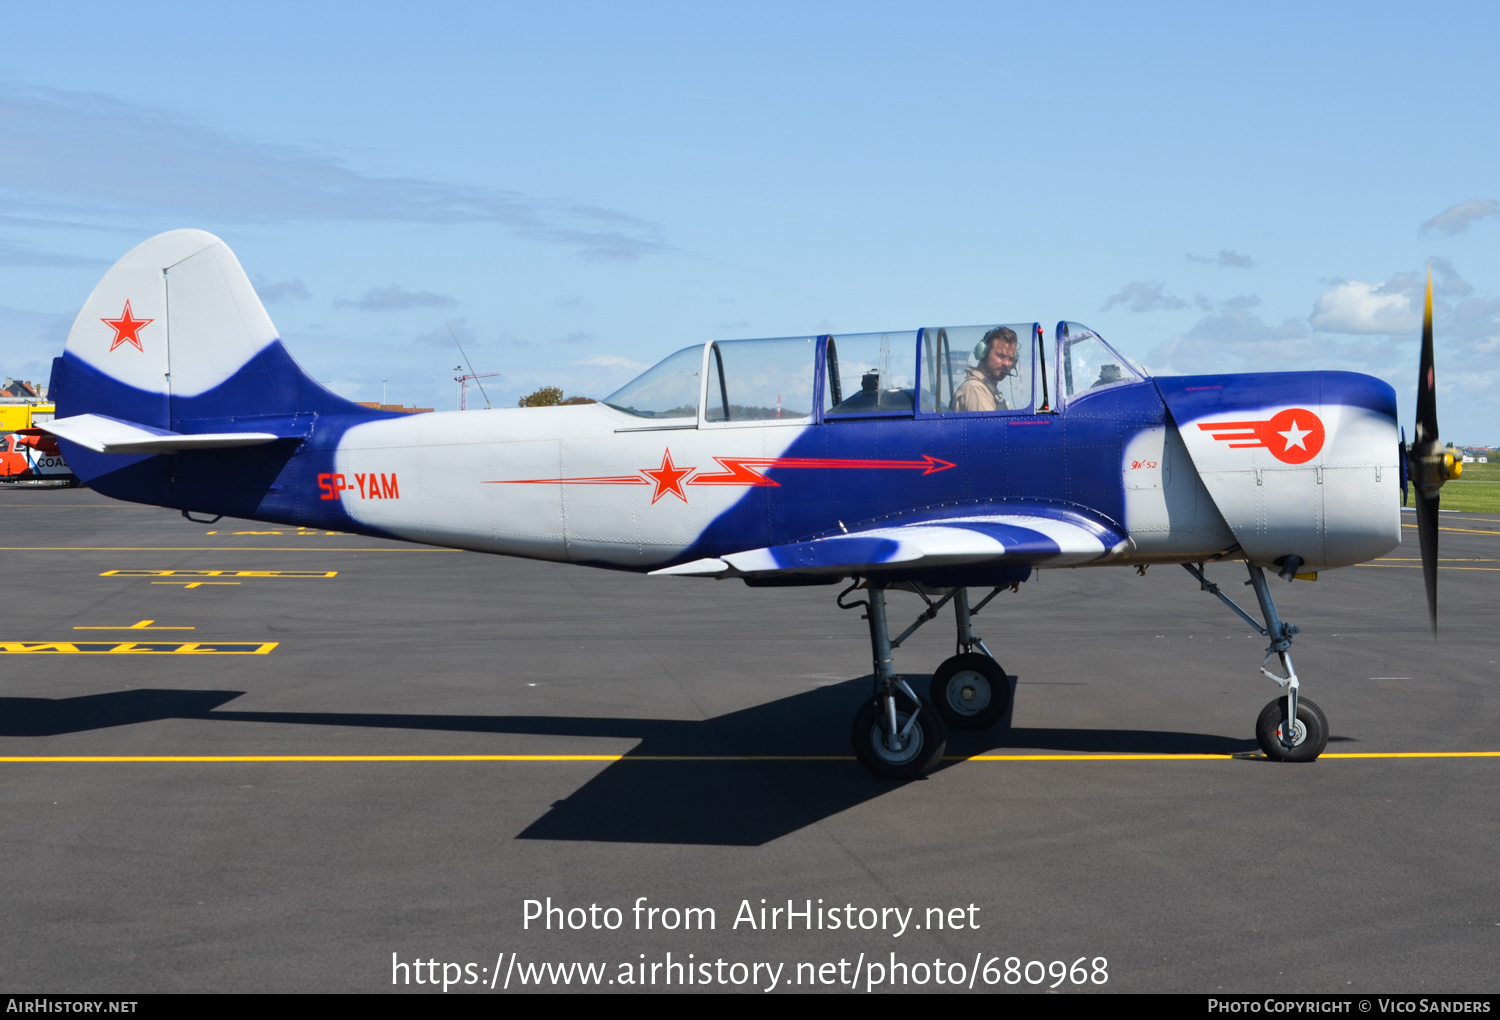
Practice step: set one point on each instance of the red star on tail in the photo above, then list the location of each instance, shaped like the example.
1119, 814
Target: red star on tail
127, 329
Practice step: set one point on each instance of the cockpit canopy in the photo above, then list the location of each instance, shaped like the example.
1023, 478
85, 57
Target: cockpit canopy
943, 370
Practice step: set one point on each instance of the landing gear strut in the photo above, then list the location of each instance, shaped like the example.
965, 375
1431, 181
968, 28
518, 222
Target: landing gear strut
1290, 728
896, 735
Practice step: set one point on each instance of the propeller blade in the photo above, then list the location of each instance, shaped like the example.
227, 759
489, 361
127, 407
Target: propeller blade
1427, 532
1429, 466
1427, 424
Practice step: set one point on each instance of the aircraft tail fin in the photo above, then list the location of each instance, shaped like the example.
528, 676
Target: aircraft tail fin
174, 337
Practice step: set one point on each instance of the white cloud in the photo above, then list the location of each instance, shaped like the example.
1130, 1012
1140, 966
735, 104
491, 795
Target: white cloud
20, 254
1234, 339
1227, 258
280, 290
1456, 218
611, 361
396, 298
1356, 307
162, 163
1143, 296
443, 335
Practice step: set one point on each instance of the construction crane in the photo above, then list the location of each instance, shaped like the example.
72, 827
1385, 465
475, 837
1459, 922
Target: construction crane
463, 386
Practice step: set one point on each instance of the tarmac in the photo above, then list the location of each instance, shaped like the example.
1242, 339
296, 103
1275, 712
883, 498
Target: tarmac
241, 757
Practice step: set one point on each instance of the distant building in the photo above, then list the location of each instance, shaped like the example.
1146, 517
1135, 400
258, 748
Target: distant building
393, 407
24, 390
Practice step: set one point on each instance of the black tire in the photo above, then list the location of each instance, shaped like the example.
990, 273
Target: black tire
924, 749
1273, 718
971, 692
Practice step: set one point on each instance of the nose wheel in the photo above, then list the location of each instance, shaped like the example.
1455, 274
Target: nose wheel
1303, 741
1291, 728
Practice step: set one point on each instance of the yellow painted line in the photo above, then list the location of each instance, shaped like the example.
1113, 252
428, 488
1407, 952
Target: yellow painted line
190, 759
294, 534
195, 584
137, 647
399, 758
220, 573
143, 625
1413, 754
1467, 531
1417, 566
220, 548
85, 506
1091, 757
1208, 757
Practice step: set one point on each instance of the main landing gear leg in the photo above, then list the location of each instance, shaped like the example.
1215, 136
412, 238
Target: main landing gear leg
1290, 728
895, 735
970, 690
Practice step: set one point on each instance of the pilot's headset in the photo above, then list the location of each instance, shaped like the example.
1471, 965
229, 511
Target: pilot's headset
982, 348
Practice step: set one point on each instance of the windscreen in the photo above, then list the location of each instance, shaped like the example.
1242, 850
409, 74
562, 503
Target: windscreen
1088, 363
667, 390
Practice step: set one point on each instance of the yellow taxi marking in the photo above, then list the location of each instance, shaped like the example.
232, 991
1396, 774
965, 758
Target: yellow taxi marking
143, 625
220, 548
137, 647
1417, 566
1467, 531
220, 573
194, 584
1206, 757
396, 758
297, 533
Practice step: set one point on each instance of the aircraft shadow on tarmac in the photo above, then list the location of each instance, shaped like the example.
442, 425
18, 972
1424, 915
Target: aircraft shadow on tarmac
733, 803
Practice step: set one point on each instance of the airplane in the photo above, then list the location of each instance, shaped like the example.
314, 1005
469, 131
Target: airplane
931, 460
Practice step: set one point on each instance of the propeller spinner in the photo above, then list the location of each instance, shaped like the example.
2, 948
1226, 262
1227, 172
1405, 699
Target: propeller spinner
1429, 464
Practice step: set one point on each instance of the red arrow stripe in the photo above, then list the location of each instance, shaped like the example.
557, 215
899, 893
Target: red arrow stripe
597, 480
747, 470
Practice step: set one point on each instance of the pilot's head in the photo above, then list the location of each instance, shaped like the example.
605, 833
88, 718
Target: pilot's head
997, 352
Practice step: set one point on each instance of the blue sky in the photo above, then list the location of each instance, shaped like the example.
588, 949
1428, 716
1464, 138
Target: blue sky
580, 189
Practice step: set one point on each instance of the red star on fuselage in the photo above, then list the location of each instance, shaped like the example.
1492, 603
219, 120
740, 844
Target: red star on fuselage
668, 478
127, 329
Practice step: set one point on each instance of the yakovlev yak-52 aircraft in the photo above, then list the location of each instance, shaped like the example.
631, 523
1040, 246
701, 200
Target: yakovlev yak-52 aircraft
932, 460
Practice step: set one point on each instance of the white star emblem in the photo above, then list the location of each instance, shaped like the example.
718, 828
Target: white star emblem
1294, 436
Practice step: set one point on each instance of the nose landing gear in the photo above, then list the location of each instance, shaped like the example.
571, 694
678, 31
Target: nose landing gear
1290, 728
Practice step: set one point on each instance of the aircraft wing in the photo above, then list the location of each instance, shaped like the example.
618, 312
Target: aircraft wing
1008, 539
103, 434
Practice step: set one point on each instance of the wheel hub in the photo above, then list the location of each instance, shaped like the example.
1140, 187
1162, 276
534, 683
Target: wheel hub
1299, 733
903, 752
969, 693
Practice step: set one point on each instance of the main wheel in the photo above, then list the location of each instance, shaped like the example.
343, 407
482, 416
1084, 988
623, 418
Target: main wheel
1309, 735
918, 756
970, 691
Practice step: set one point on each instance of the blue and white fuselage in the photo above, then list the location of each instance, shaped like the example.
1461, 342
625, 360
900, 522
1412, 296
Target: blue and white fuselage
800, 459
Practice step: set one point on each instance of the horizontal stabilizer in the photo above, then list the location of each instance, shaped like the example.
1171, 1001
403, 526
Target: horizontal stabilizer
1009, 539
111, 435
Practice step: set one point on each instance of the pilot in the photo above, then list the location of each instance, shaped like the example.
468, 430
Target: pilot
996, 354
